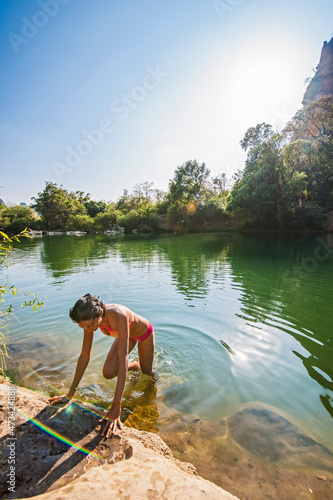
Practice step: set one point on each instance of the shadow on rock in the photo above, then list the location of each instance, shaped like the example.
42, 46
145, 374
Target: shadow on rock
53, 446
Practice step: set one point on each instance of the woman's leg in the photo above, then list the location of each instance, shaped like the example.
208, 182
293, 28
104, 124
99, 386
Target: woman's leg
146, 351
111, 365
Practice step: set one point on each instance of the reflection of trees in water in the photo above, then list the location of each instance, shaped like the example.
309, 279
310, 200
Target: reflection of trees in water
143, 251
195, 262
274, 284
318, 361
64, 255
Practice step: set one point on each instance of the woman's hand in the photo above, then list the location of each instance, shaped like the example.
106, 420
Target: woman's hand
112, 422
60, 399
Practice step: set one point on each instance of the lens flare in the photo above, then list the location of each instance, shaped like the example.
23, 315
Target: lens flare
58, 436
190, 208
69, 409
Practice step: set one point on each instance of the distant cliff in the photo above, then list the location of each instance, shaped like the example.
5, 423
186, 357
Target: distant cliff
322, 82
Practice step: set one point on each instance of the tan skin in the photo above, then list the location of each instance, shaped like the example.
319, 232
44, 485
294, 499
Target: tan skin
118, 318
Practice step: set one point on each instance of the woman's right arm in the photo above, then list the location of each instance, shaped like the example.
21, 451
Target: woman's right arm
81, 366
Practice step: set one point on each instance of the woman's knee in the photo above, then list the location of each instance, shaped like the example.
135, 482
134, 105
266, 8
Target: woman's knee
109, 373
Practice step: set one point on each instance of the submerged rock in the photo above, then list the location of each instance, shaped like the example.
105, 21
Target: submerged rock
270, 436
255, 454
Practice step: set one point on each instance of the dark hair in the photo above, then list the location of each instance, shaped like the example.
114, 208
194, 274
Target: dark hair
86, 308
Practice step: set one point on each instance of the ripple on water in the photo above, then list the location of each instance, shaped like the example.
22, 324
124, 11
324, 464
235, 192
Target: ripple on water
203, 366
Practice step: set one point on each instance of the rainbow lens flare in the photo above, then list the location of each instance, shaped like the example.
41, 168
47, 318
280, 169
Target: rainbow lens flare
55, 434
59, 436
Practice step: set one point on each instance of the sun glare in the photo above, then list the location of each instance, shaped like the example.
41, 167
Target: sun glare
261, 80
268, 82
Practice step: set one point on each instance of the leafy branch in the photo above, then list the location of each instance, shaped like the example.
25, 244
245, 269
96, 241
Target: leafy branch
30, 299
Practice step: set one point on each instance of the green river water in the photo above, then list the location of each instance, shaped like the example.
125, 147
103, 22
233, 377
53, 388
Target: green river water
239, 319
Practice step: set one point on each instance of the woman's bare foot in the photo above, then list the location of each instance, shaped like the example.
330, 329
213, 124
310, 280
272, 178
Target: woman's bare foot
135, 368
154, 376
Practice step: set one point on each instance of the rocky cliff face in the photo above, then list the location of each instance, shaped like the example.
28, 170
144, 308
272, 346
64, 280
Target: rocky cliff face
322, 83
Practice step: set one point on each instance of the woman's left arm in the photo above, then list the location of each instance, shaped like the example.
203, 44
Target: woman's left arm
113, 414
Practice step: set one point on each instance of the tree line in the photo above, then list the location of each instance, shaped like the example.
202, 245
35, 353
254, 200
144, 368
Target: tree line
288, 177
55, 208
287, 183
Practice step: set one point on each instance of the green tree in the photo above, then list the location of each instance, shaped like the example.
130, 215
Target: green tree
189, 182
214, 206
312, 128
270, 187
177, 217
81, 222
187, 191
56, 206
95, 207
83, 198
148, 216
255, 136
161, 201
144, 218
16, 218
126, 202
107, 219
314, 122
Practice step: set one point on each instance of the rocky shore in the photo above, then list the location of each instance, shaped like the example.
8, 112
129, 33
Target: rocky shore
52, 452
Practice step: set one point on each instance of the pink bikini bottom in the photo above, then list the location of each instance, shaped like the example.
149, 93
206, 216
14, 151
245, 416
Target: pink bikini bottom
145, 335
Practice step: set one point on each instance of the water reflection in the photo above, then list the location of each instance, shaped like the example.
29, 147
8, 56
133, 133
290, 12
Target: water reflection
278, 292
195, 262
63, 255
312, 364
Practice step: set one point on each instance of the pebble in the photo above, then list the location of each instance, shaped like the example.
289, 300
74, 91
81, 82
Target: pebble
323, 478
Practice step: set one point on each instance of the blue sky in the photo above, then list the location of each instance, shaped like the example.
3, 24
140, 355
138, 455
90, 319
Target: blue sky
99, 96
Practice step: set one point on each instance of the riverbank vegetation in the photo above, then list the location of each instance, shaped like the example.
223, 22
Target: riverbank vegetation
287, 183
7, 311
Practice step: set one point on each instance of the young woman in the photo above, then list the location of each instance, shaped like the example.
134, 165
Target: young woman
128, 329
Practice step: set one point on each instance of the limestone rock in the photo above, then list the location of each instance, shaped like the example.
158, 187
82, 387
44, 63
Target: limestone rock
322, 83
